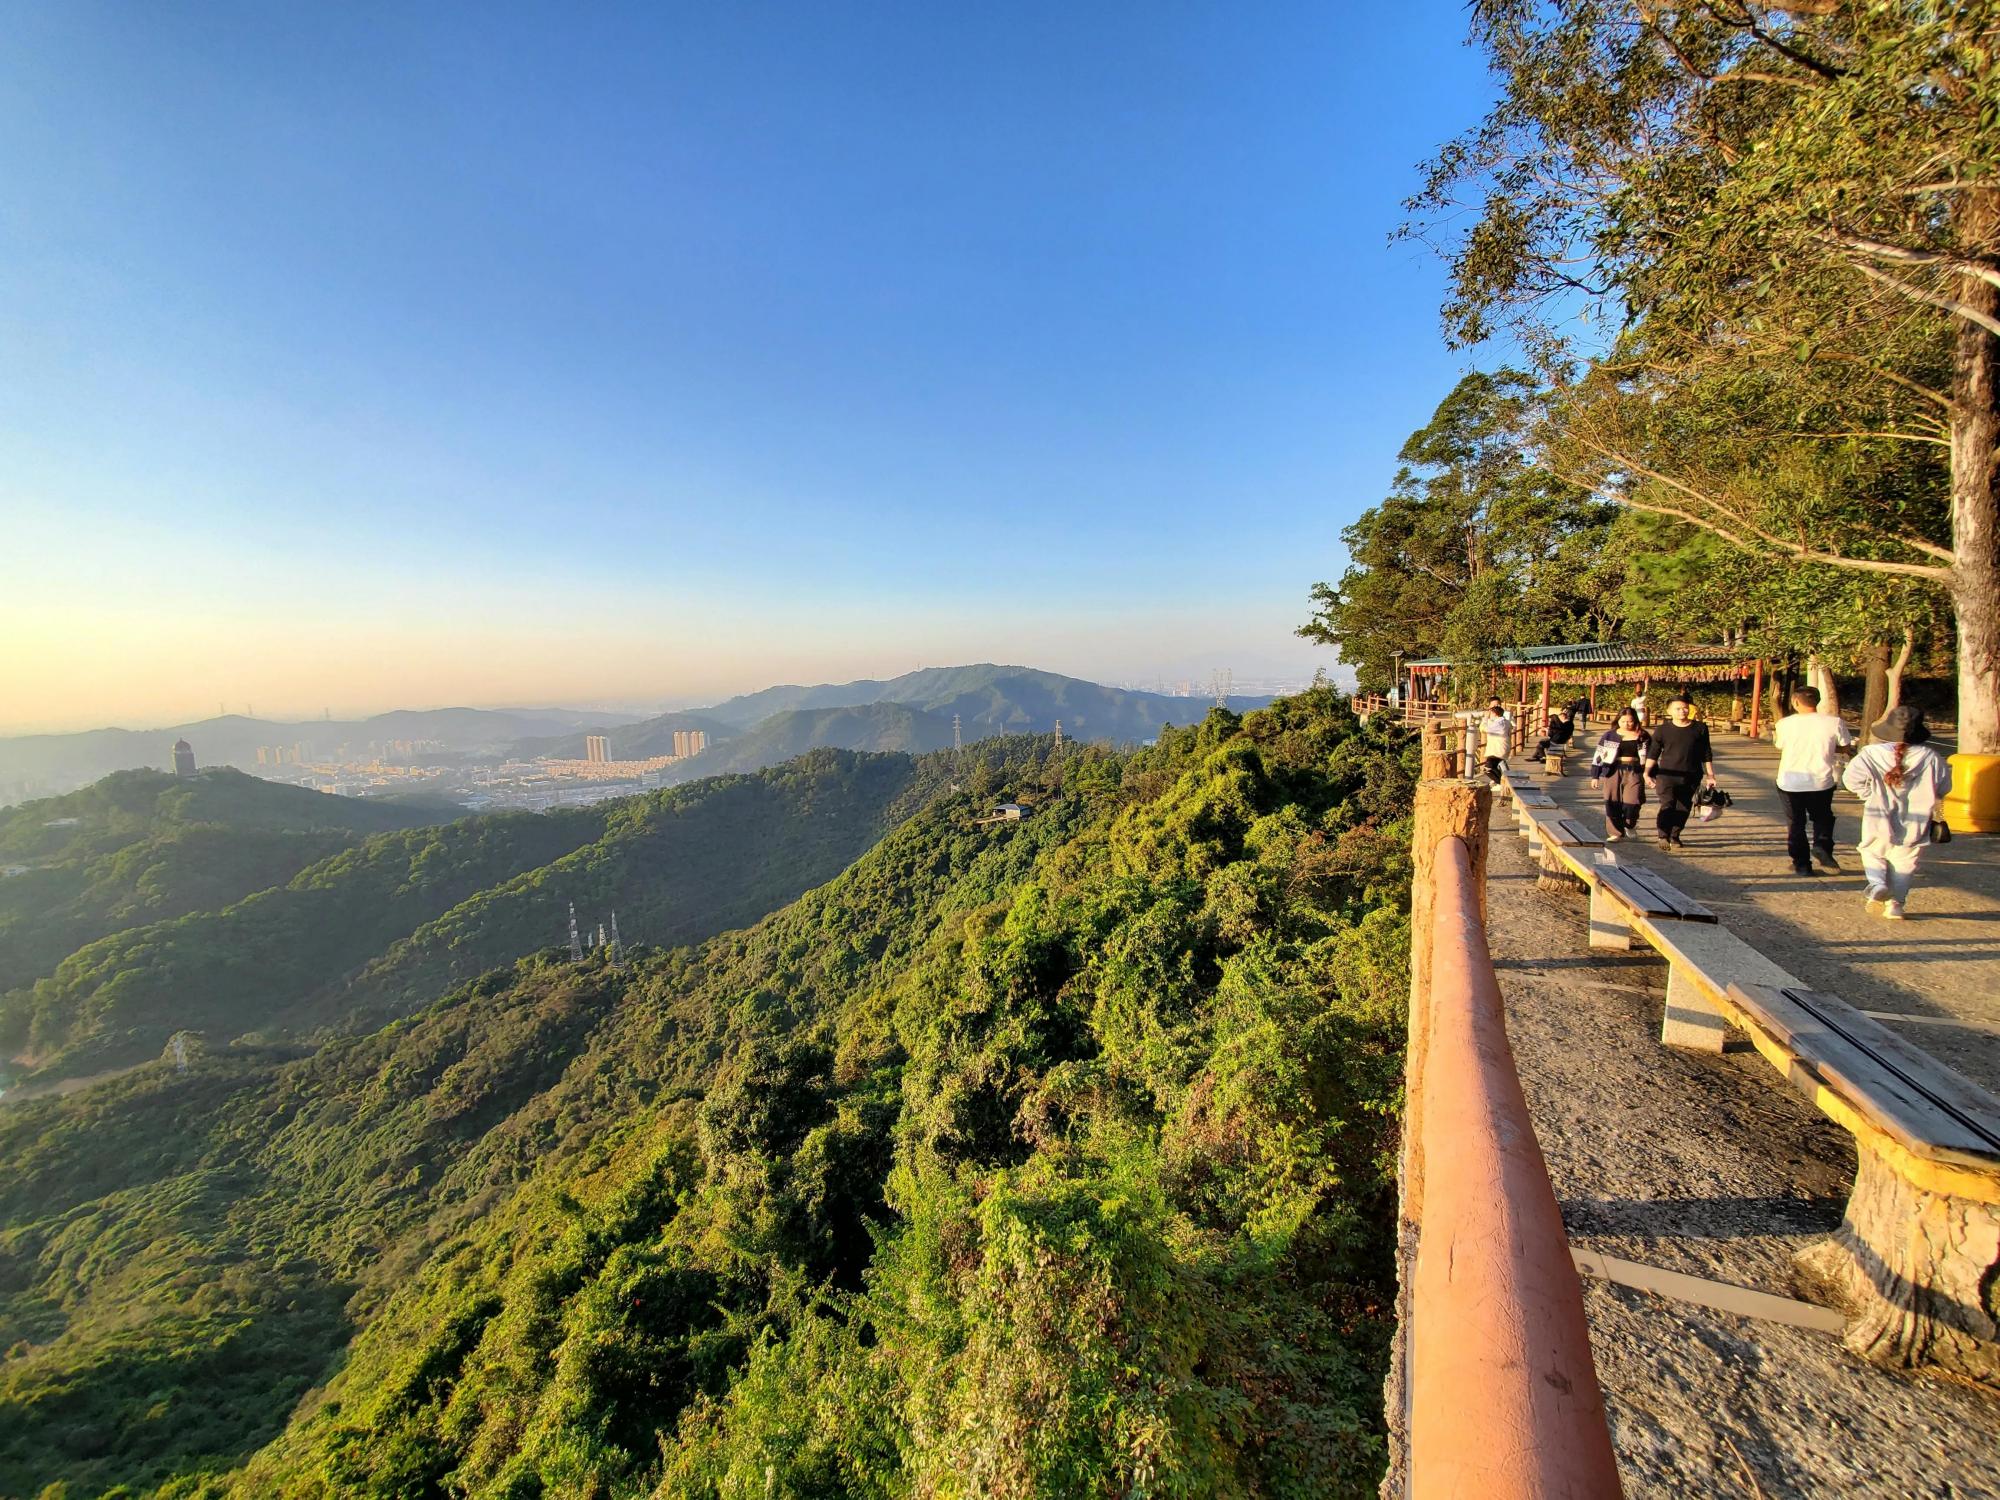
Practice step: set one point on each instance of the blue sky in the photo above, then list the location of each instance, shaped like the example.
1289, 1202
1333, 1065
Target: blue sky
373, 355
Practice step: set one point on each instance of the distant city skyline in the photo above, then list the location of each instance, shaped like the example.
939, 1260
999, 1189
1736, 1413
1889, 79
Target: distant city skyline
380, 356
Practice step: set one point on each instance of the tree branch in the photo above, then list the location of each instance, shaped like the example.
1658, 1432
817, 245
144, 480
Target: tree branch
1798, 549
1904, 255
1934, 299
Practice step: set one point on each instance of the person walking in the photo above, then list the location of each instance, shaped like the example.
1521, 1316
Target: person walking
1639, 707
1810, 744
1899, 779
1679, 761
1497, 732
1616, 766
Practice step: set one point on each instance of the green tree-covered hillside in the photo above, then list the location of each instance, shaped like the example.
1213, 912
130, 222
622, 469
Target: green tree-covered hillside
143, 846
1049, 1158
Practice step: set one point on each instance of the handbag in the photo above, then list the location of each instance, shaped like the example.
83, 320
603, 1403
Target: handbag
1940, 831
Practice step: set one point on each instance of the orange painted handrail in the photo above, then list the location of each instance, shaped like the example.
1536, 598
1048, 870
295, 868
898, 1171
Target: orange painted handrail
1503, 1396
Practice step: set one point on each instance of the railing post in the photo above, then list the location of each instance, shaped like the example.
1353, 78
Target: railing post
1446, 809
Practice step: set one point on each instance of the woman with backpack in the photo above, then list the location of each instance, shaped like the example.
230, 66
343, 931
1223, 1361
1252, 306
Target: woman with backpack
1899, 780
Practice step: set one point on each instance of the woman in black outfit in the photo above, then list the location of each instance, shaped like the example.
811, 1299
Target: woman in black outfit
1618, 766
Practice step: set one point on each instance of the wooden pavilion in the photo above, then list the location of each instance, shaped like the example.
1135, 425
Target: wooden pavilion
1589, 666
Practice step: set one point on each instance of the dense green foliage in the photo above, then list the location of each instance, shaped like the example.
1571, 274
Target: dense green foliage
1756, 246
1478, 547
382, 928
143, 846
675, 867
1041, 1158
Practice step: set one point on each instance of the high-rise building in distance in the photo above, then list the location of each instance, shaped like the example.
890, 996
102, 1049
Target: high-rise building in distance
690, 742
183, 758
596, 747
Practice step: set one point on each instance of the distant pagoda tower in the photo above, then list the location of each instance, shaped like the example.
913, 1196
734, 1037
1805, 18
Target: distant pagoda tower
183, 758
575, 938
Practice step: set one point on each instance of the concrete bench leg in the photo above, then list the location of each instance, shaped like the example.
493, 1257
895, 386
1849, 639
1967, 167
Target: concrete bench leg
1915, 1266
1608, 928
1691, 1021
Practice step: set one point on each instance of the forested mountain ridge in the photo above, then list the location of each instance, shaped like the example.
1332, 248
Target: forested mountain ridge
1048, 1158
386, 927
990, 699
675, 867
144, 846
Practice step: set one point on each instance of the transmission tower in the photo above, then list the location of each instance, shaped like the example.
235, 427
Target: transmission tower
1058, 739
575, 939
617, 948
180, 1046
1219, 683
957, 741
600, 936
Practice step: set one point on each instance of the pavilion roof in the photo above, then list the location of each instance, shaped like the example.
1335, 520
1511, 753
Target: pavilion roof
1596, 655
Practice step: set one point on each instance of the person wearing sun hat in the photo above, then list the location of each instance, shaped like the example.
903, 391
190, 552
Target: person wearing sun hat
1899, 780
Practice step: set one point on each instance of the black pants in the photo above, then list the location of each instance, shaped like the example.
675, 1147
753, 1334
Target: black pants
1493, 765
1623, 816
1799, 806
1676, 792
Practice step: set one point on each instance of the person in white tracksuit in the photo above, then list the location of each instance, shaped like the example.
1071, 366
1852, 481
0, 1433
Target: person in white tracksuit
1899, 780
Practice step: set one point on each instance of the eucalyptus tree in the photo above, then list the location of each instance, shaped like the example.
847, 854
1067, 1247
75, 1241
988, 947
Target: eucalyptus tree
1477, 546
1779, 225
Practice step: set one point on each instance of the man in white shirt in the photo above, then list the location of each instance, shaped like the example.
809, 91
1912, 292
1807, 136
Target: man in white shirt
1498, 732
1639, 707
1810, 746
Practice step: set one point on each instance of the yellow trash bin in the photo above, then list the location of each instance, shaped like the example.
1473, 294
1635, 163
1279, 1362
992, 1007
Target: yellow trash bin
1974, 803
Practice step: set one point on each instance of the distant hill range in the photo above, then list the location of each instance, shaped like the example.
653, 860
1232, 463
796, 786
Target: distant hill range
912, 712
46, 763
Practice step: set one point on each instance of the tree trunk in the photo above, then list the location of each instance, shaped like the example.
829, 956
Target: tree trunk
1875, 695
1975, 489
1894, 676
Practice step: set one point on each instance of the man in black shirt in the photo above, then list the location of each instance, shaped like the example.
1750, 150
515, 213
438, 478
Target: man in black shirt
1678, 762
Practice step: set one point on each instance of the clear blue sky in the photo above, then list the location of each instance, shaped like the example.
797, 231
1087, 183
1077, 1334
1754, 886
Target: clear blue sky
360, 355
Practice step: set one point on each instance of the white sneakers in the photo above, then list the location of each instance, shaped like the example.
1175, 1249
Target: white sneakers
1876, 896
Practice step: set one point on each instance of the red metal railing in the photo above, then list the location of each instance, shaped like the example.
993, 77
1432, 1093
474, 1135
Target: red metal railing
1503, 1399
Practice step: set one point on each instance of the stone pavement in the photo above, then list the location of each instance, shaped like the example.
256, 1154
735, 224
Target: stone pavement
1935, 977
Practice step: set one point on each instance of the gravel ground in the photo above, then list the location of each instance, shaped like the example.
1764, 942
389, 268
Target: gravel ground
1709, 1165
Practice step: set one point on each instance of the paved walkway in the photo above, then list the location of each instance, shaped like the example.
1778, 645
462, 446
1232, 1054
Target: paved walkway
1711, 1166
1936, 975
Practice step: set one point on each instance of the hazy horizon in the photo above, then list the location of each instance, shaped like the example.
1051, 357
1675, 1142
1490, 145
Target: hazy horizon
644, 706
372, 358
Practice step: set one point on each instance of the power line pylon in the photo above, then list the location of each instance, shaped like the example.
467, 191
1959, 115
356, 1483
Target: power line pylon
957, 740
575, 938
1058, 739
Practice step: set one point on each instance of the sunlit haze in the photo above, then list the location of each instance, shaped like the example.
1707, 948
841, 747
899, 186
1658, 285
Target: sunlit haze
372, 356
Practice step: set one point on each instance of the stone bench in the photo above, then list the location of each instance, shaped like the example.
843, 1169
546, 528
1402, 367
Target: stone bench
1915, 1264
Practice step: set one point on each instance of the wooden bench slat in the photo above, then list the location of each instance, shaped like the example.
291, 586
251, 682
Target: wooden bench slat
1678, 901
1893, 1102
1569, 831
1952, 1091
1533, 797
1623, 883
